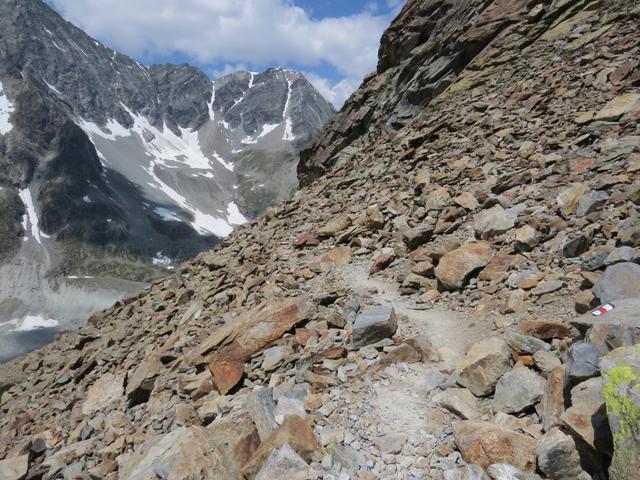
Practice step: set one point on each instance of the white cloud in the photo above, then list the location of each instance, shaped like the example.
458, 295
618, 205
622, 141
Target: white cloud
256, 32
336, 93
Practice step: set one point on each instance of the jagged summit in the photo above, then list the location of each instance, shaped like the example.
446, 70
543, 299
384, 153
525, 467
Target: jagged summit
112, 170
421, 309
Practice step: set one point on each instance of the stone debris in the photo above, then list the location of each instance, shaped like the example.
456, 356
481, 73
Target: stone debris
420, 308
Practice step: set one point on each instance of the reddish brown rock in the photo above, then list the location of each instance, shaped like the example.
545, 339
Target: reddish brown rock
295, 432
456, 267
553, 398
547, 330
253, 331
226, 375
484, 444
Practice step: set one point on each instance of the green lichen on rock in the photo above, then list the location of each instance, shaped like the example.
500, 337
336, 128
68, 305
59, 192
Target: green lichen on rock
621, 393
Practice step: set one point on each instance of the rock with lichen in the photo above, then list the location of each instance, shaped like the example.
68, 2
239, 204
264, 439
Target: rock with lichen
621, 392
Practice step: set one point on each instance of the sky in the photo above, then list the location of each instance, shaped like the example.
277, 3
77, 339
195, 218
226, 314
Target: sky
333, 42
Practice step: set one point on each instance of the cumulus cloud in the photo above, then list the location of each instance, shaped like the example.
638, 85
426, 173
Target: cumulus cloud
256, 32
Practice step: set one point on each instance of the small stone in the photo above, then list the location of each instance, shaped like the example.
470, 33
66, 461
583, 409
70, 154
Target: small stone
331, 436
417, 236
526, 344
618, 106
374, 325
527, 238
569, 198
518, 390
547, 330
260, 406
285, 463
494, 221
467, 472
461, 402
583, 362
107, 390
392, 443
467, 201
483, 365
558, 456
591, 202
226, 375
546, 361
273, 357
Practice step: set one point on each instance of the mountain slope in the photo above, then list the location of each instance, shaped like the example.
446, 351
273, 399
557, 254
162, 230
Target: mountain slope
480, 228
123, 170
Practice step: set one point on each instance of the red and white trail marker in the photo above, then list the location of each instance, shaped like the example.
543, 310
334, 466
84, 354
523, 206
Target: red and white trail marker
602, 309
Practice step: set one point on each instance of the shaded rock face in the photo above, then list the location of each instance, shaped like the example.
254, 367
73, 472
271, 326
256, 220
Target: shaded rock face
123, 169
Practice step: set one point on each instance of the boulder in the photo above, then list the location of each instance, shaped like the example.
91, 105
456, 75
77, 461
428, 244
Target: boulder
373, 325
558, 457
456, 267
518, 390
295, 432
569, 198
416, 236
586, 419
195, 452
335, 226
285, 463
483, 365
621, 280
591, 202
527, 238
252, 331
15, 468
484, 444
494, 221
106, 391
226, 375
621, 392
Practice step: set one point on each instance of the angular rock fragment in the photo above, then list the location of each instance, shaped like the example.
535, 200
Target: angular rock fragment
374, 325
618, 281
518, 390
483, 365
461, 402
558, 457
456, 267
285, 463
15, 468
484, 444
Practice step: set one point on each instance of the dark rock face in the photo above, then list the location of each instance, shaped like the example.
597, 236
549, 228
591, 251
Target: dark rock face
421, 55
140, 166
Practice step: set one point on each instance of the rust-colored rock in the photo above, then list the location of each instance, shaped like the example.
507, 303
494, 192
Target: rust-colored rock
253, 331
457, 266
226, 375
295, 432
484, 444
547, 330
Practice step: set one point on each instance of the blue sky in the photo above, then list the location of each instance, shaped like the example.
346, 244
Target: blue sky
334, 42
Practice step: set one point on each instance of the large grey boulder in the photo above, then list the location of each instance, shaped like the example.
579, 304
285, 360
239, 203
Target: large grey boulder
518, 390
374, 325
621, 280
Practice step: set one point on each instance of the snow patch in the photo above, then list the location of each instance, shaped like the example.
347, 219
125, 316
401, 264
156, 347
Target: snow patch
288, 126
6, 109
31, 217
52, 88
33, 322
166, 214
234, 217
161, 259
87, 199
212, 114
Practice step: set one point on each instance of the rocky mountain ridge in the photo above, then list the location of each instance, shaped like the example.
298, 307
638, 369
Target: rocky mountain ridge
112, 172
422, 309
